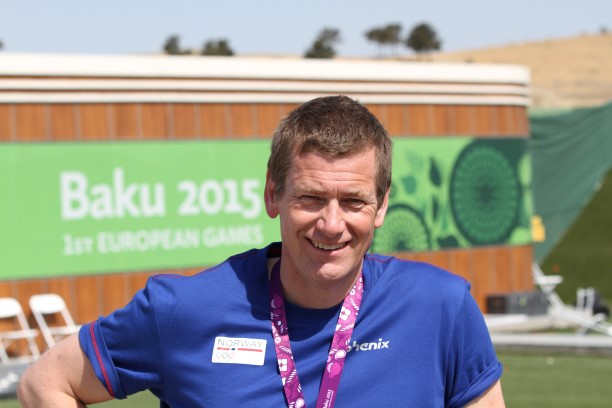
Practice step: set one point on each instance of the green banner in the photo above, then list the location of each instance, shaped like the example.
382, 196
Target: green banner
453, 192
82, 208
77, 208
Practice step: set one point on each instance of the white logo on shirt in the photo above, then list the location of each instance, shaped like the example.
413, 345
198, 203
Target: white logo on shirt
381, 344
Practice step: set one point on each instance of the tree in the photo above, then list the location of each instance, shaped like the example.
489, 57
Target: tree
1, 44
219, 47
392, 35
376, 35
323, 46
386, 35
423, 38
172, 45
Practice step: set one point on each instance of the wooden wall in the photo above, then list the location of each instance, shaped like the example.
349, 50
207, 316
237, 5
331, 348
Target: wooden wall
490, 269
134, 121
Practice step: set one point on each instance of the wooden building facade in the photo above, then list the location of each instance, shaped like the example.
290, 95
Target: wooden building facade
55, 99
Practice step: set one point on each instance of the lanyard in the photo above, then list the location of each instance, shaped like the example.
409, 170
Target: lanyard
337, 351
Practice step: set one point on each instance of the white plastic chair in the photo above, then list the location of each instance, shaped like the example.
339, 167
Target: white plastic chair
580, 316
11, 312
49, 304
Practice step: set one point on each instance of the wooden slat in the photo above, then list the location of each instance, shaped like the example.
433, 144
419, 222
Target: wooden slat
62, 122
512, 121
415, 256
464, 121
6, 133
154, 117
6, 289
214, 120
87, 299
396, 123
126, 123
484, 121
522, 257
242, 118
136, 282
27, 288
483, 275
24, 290
515, 121
442, 120
184, 121
506, 125
93, 122
30, 123
114, 293
418, 120
268, 119
502, 270
440, 259
63, 286
288, 107
460, 264
380, 112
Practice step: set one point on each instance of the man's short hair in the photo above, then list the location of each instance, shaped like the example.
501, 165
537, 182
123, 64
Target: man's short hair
335, 126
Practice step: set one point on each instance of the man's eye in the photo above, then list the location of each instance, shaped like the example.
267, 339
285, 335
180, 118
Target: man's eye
354, 202
310, 198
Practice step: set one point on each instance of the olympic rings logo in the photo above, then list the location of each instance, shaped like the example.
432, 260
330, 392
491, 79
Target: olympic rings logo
224, 356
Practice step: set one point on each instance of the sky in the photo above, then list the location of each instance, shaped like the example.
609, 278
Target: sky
284, 27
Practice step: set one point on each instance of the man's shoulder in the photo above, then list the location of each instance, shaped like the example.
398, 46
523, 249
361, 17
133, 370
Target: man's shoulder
416, 284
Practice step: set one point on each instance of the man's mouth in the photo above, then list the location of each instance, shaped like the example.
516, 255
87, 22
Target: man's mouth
327, 247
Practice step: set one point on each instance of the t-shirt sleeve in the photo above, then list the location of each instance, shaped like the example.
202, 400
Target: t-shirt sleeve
124, 347
473, 366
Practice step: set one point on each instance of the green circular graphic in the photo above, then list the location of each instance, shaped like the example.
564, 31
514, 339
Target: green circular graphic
484, 194
404, 230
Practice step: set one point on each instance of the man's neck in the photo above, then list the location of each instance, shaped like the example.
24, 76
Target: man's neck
316, 296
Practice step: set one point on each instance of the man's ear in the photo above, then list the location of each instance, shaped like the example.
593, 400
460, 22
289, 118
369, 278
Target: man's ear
382, 211
270, 197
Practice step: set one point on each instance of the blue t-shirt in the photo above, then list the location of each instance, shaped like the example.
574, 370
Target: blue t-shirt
419, 340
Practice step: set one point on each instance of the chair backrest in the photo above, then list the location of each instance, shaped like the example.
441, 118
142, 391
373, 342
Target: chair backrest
9, 307
48, 304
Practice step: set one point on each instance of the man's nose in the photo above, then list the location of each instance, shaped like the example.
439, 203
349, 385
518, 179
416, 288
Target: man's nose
331, 220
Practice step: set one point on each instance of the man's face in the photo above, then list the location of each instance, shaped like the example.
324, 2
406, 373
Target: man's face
328, 213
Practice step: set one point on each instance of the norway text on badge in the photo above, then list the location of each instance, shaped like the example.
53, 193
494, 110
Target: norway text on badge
235, 350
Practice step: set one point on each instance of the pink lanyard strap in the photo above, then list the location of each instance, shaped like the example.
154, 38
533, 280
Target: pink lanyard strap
337, 351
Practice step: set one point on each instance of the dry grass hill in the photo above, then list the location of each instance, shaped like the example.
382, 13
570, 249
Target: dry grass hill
565, 72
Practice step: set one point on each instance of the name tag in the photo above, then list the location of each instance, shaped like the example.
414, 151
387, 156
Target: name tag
237, 350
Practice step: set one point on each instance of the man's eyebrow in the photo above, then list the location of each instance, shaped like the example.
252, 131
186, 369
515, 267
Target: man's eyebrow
355, 192
358, 192
305, 189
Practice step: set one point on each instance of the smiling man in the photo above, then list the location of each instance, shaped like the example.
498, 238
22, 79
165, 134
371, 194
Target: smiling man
312, 321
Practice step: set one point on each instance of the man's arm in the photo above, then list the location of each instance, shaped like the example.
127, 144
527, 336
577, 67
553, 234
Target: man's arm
61, 377
492, 398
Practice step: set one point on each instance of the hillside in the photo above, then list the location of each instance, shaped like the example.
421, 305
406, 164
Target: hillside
565, 73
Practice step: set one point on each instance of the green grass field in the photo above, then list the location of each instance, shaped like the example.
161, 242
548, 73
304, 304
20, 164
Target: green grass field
529, 380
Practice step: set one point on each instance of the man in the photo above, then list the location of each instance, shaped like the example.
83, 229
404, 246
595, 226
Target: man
314, 321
